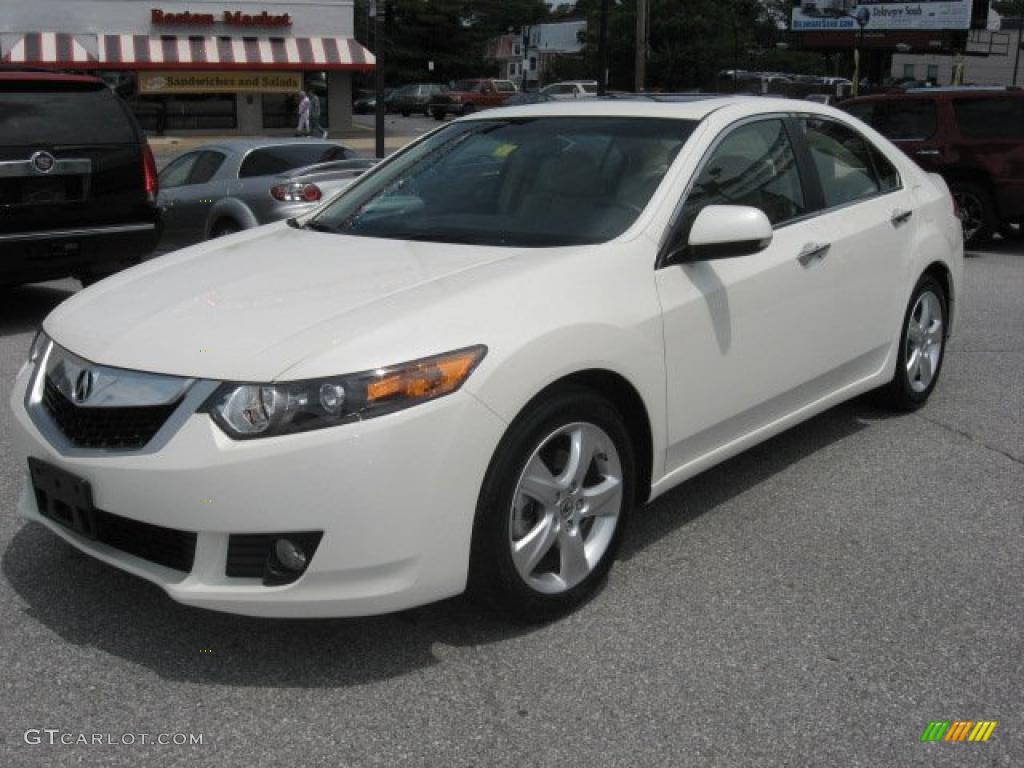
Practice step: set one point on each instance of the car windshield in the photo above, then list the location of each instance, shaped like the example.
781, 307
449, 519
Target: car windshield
526, 182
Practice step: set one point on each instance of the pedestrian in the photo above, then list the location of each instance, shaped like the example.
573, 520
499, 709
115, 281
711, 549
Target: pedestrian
303, 127
314, 115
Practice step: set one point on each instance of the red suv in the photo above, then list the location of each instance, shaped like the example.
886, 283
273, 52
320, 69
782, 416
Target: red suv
972, 137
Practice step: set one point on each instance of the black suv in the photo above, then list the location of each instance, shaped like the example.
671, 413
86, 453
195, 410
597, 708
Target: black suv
78, 181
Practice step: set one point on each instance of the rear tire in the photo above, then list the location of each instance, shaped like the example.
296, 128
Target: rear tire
977, 211
468, 109
406, 113
224, 227
922, 348
553, 507
438, 114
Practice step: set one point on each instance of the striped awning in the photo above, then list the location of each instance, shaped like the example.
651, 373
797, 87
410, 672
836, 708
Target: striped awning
280, 53
50, 49
57, 49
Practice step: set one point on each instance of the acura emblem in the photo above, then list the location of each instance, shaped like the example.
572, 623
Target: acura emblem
83, 386
43, 162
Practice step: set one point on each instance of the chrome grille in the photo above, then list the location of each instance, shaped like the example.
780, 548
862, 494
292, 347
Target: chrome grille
125, 428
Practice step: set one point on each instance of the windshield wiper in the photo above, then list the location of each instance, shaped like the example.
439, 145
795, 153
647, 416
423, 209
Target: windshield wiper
316, 226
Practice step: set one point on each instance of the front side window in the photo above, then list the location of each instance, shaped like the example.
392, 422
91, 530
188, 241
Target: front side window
906, 119
525, 182
753, 165
208, 163
177, 173
847, 165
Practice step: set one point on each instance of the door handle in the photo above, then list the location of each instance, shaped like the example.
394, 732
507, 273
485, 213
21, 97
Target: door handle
900, 217
928, 152
813, 251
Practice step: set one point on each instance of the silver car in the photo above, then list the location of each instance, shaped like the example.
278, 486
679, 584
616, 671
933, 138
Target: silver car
217, 189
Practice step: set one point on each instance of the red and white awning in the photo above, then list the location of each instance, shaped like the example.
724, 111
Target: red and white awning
281, 53
49, 49
57, 49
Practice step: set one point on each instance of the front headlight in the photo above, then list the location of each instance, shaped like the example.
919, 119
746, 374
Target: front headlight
246, 411
38, 347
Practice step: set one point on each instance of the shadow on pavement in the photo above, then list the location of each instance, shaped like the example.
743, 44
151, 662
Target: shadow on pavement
25, 307
89, 603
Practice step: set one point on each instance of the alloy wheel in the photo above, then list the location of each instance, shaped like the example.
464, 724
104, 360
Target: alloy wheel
925, 338
566, 507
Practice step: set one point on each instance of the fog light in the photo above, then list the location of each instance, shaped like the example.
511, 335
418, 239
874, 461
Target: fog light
290, 555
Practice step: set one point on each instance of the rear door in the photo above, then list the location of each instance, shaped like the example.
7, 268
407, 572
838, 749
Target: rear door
869, 217
70, 158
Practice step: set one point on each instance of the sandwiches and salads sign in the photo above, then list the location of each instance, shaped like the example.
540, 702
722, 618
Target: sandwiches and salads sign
839, 15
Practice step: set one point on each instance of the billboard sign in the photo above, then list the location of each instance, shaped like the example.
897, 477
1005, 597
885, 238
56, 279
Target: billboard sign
821, 15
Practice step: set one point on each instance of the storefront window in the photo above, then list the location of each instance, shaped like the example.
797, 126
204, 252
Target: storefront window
281, 110
214, 111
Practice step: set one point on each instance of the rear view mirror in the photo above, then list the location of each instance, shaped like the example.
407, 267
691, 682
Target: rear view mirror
728, 231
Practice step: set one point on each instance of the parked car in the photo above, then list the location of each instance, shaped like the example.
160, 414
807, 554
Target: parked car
526, 97
571, 89
78, 182
468, 96
973, 137
416, 98
219, 189
472, 365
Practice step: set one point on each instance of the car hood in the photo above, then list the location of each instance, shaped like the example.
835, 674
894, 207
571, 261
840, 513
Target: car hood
241, 307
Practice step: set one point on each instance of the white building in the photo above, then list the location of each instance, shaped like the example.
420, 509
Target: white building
1001, 41
225, 66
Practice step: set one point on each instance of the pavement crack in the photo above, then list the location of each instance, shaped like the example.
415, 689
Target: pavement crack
964, 433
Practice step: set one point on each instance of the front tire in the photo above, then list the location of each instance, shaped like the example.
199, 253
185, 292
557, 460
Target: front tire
922, 347
224, 228
553, 506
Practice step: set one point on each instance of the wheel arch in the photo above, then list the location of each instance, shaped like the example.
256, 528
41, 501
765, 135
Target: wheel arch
627, 400
229, 208
941, 272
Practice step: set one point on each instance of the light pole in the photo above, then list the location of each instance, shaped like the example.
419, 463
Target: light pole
862, 16
378, 80
602, 51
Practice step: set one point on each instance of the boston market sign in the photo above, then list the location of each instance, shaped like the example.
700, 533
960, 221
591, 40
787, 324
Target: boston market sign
228, 18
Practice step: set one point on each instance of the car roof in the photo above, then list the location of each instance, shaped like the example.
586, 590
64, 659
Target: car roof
245, 145
695, 108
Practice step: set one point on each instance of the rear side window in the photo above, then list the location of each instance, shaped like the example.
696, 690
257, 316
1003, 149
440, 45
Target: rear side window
906, 119
994, 118
63, 117
271, 161
849, 168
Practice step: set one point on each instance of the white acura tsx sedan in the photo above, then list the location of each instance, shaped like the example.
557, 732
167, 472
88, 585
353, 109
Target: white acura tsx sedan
468, 369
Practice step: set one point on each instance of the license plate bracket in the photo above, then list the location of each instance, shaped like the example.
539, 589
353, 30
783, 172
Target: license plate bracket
63, 497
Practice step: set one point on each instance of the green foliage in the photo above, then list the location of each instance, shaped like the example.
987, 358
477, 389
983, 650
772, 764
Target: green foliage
1012, 8
451, 33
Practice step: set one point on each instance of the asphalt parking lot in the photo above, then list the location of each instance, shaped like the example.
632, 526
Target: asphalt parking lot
814, 602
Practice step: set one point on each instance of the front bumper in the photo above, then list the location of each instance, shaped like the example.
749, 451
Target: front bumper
395, 497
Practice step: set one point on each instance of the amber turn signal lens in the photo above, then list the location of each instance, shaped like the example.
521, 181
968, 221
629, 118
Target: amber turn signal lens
428, 378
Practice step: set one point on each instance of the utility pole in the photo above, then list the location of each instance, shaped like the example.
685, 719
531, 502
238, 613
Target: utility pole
1016, 60
602, 51
378, 78
641, 45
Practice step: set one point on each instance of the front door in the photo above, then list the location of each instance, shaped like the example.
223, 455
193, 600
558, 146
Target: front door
748, 340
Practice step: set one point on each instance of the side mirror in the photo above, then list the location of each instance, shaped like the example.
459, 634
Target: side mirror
726, 232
